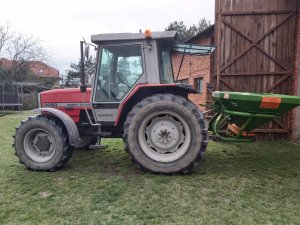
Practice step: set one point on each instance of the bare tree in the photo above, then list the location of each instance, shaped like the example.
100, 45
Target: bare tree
5, 36
21, 50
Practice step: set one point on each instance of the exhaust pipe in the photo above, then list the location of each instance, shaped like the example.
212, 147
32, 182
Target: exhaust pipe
82, 80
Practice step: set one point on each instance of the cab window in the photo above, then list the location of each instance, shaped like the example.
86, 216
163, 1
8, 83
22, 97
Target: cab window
120, 68
164, 60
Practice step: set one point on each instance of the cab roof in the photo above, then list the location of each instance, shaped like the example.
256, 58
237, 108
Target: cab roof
132, 36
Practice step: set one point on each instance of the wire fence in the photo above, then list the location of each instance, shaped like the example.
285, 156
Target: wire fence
16, 96
10, 97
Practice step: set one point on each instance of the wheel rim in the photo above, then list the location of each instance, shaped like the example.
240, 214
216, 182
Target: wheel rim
164, 136
39, 145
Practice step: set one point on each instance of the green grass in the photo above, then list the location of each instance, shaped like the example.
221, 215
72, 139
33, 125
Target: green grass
238, 183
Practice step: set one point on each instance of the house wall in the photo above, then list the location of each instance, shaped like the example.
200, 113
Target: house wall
42, 70
194, 67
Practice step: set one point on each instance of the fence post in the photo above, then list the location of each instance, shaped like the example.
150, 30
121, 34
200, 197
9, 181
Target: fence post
3, 98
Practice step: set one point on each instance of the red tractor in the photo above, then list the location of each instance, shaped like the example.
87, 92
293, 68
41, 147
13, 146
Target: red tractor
134, 96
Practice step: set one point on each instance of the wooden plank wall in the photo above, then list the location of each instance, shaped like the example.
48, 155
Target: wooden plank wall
255, 51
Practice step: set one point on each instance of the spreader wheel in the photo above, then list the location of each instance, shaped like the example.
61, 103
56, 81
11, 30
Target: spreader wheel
41, 144
165, 134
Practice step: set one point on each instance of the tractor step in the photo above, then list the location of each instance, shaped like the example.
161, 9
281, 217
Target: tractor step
101, 134
104, 134
97, 146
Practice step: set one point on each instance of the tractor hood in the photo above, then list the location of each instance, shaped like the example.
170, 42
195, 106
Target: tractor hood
61, 97
64, 91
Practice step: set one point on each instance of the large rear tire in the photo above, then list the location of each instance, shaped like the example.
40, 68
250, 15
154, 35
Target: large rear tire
165, 134
42, 144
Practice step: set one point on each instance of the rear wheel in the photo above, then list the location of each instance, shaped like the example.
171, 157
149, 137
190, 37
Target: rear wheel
165, 134
41, 144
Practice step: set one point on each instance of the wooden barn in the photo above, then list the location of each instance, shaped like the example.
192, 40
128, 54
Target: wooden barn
258, 51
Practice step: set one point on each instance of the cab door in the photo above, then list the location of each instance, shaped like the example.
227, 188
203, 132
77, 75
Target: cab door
120, 67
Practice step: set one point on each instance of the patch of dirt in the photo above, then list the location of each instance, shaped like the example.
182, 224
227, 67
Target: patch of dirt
109, 170
61, 180
45, 194
112, 170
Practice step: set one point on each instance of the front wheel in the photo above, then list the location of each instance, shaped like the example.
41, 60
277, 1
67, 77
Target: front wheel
165, 134
41, 144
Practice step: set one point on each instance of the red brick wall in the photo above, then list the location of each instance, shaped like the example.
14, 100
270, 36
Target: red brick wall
295, 121
195, 67
42, 70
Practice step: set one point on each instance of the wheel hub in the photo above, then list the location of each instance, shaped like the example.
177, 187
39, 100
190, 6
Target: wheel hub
164, 134
39, 145
42, 143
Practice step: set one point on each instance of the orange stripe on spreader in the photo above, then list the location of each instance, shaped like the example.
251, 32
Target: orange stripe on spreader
270, 102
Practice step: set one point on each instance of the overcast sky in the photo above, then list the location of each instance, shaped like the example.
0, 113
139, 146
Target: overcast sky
61, 24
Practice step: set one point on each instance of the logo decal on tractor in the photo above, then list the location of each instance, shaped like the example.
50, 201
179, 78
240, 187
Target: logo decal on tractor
52, 105
74, 105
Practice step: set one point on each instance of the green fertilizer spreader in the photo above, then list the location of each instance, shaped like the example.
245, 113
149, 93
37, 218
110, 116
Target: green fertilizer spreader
238, 113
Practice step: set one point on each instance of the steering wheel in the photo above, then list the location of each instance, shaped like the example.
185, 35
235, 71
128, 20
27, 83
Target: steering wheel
122, 80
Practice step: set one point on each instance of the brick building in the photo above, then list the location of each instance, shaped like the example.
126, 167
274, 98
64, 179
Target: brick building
44, 72
41, 69
196, 70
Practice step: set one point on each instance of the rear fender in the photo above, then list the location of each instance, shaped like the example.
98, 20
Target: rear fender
142, 91
70, 126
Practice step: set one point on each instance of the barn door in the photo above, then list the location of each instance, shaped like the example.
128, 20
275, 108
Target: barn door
255, 40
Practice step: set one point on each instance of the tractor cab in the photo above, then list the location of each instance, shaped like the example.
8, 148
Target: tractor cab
124, 60
127, 59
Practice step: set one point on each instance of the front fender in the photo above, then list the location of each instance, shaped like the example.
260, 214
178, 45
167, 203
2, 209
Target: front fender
71, 127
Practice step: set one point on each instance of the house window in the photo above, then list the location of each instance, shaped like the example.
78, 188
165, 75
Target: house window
184, 81
199, 84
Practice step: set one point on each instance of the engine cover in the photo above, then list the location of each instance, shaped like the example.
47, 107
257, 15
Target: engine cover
70, 101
